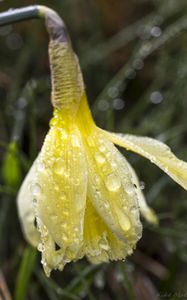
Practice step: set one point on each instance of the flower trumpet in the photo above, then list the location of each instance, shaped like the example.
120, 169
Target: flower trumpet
81, 197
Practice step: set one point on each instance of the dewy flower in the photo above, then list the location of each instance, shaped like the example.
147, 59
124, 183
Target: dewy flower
81, 192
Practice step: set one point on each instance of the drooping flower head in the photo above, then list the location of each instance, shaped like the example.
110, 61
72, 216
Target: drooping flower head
81, 191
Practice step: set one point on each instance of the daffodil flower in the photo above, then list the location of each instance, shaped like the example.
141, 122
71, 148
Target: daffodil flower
81, 197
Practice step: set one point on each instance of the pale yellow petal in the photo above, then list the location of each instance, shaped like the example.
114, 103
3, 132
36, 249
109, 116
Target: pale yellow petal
111, 190
60, 185
156, 151
100, 243
26, 208
145, 210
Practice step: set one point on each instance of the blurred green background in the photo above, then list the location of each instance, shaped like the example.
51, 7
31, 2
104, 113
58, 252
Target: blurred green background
134, 59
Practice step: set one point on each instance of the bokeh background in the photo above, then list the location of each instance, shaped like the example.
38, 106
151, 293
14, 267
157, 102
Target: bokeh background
134, 59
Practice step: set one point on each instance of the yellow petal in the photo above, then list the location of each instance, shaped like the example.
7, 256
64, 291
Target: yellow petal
26, 208
59, 189
111, 190
157, 152
100, 243
146, 211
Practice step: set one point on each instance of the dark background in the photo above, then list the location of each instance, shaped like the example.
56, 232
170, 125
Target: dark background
134, 59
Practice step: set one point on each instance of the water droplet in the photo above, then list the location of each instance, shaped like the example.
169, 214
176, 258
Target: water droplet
129, 188
41, 167
66, 260
119, 276
138, 64
113, 182
103, 105
35, 189
102, 148
103, 243
64, 226
113, 92
113, 164
123, 220
118, 104
40, 247
64, 134
142, 185
145, 50
79, 202
106, 205
131, 73
75, 141
77, 181
65, 238
59, 166
156, 97
129, 251
99, 157
156, 31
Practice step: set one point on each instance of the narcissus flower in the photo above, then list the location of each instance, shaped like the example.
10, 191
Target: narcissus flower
81, 197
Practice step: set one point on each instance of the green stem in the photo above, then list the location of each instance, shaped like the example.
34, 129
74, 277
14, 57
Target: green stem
54, 24
20, 14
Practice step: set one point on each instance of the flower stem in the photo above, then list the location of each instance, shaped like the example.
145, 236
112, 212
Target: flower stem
19, 14
66, 76
54, 24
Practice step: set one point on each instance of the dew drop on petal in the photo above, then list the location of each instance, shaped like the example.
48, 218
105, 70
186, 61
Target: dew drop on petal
103, 243
99, 157
34, 200
35, 189
64, 135
124, 220
41, 167
102, 148
79, 202
113, 164
112, 182
129, 188
64, 226
65, 238
106, 205
59, 166
75, 141
40, 247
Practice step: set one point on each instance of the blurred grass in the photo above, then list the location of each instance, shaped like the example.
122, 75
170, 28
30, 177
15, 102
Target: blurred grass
134, 60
